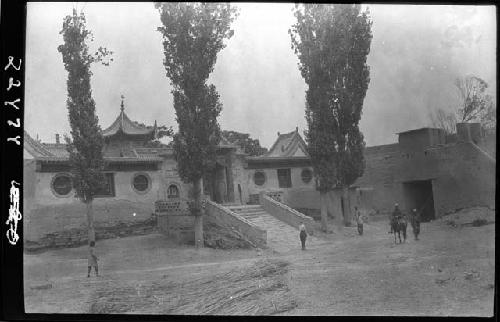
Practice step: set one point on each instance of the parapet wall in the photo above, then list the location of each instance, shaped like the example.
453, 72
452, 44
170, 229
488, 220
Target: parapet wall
227, 218
286, 214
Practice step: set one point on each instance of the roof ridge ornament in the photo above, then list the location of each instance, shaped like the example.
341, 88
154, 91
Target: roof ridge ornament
122, 106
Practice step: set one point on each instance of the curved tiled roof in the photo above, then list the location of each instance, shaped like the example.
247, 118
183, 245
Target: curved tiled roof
287, 145
57, 149
225, 143
124, 125
35, 148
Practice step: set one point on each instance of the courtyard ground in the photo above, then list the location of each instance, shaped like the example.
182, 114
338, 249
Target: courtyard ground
449, 271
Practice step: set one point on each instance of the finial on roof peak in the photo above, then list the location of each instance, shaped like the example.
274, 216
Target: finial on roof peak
297, 129
122, 107
278, 133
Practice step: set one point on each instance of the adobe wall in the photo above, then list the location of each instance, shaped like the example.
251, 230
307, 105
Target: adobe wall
461, 177
467, 180
49, 219
489, 144
379, 200
308, 199
180, 228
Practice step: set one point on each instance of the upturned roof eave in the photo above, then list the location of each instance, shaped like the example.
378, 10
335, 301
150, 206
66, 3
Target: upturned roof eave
106, 159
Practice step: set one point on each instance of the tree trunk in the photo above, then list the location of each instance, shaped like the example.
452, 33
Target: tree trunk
347, 207
90, 221
198, 215
324, 212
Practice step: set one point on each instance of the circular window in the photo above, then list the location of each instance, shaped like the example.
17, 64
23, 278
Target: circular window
259, 178
172, 191
141, 183
306, 175
61, 185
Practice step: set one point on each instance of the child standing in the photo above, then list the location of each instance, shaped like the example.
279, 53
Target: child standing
359, 220
303, 235
92, 259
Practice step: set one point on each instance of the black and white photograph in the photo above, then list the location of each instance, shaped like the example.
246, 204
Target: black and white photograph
258, 158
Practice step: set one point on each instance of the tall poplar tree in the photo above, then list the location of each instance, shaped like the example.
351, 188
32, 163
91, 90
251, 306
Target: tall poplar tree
86, 142
193, 34
332, 43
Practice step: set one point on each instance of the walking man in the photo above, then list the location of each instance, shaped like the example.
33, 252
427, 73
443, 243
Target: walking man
415, 223
303, 235
359, 220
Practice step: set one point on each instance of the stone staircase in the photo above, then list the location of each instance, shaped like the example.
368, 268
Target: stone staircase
280, 236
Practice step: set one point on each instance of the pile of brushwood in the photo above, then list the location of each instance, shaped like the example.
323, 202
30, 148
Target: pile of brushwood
470, 217
259, 289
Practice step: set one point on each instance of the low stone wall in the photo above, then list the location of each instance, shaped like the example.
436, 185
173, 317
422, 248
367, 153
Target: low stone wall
75, 237
226, 218
178, 227
39, 221
313, 213
286, 214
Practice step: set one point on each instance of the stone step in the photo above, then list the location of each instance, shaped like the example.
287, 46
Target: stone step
244, 206
231, 204
256, 214
260, 212
281, 236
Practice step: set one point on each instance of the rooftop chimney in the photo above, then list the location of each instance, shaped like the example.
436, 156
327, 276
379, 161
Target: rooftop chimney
57, 138
297, 129
278, 133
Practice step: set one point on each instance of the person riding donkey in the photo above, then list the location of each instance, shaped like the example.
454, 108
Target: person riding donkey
398, 224
415, 222
395, 216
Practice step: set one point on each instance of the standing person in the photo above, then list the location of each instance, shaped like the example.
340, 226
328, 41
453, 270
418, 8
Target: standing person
415, 223
303, 235
359, 220
92, 259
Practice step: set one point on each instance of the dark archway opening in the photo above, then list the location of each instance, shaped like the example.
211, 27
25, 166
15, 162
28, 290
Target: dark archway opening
418, 195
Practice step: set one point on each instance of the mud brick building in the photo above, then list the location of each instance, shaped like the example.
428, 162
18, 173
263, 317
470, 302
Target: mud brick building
426, 169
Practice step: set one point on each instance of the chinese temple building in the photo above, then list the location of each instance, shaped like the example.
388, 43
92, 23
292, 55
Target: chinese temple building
424, 169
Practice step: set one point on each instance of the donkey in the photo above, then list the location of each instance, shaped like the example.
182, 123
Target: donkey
398, 226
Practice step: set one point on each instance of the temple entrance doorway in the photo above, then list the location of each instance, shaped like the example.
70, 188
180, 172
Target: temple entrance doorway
218, 183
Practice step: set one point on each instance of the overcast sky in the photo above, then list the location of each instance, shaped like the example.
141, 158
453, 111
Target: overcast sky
416, 53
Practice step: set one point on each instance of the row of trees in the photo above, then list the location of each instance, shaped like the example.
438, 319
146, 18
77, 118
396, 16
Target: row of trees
331, 42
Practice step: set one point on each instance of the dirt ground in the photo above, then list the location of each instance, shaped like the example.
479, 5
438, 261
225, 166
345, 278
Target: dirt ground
448, 272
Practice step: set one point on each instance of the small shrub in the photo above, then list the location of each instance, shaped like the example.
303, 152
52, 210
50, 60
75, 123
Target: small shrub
479, 222
451, 223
